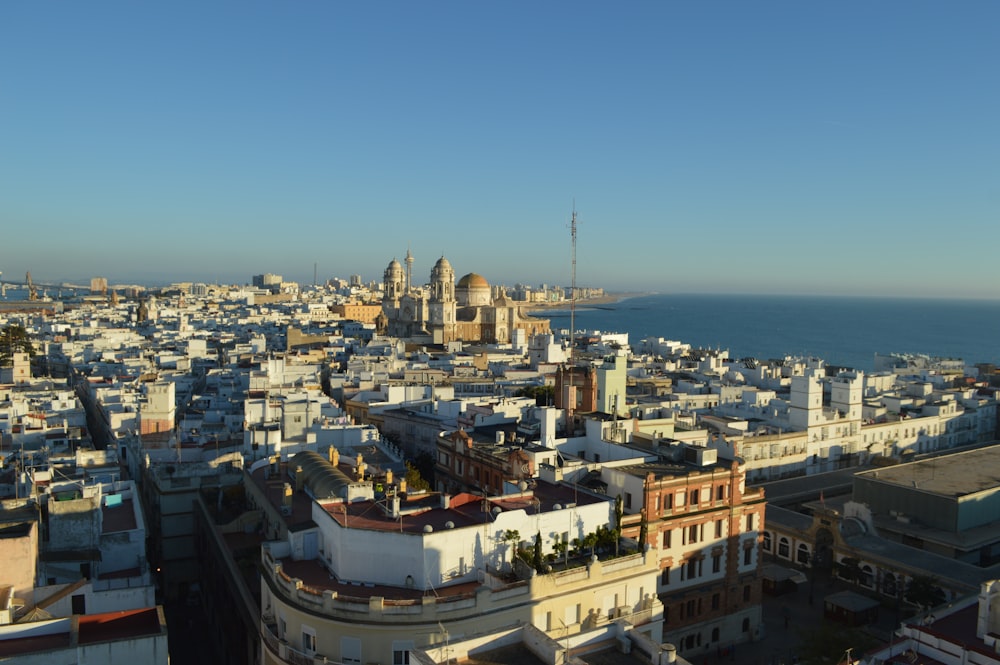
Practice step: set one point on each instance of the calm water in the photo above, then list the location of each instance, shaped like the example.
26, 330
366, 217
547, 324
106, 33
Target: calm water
842, 331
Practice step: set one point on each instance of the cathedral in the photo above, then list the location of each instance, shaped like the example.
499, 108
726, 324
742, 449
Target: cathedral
448, 311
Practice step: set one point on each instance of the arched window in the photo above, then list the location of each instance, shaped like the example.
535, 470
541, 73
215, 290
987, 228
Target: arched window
767, 541
802, 554
867, 577
783, 548
889, 584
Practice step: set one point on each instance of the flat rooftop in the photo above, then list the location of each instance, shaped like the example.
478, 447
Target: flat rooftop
118, 518
956, 475
427, 509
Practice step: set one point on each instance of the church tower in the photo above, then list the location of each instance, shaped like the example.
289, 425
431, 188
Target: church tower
393, 280
441, 309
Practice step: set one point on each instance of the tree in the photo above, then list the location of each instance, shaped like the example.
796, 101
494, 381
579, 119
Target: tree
643, 532
537, 552
511, 537
590, 540
541, 394
413, 479
14, 339
924, 592
424, 463
561, 547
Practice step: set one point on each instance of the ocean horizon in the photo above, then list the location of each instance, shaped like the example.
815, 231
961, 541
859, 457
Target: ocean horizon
842, 330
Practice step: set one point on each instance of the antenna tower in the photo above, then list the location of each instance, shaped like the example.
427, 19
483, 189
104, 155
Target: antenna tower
572, 292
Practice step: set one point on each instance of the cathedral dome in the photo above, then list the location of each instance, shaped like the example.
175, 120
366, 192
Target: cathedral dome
472, 281
472, 290
442, 265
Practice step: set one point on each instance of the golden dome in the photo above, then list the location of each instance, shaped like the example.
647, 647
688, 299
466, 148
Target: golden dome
473, 281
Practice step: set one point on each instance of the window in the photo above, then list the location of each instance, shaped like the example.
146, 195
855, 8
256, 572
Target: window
783, 548
668, 501
716, 563
750, 522
694, 497
715, 606
690, 608
802, 554
767, 541
746, 625
665, 577
718, 528
401, 652
715, 634
628, 500
720, 492
747, 555
79, 603
692, 569
746, 593
308, 640
693, 533
666, 539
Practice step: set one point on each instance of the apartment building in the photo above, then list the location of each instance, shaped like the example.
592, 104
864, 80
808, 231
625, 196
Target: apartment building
447, 567
695, 509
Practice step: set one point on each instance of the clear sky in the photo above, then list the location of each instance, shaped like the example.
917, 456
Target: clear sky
846, 147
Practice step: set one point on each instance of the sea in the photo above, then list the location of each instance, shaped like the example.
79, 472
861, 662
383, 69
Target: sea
843, 331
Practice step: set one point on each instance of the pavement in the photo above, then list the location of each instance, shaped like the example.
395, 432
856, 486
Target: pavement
786, 618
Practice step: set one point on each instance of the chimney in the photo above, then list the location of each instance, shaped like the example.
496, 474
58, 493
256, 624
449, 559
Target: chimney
286, 500
334, 456
402, 485
388, 477
361, 471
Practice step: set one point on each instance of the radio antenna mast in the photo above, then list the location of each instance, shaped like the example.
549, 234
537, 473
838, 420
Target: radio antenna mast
572, 293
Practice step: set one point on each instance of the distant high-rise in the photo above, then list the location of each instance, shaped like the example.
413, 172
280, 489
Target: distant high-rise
267, 281
98, 285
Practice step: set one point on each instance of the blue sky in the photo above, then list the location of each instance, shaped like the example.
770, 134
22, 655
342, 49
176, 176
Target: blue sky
728, 147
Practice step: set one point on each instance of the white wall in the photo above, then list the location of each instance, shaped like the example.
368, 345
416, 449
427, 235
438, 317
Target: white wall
450, 556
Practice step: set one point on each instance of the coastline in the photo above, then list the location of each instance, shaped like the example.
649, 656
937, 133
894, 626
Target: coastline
607, 299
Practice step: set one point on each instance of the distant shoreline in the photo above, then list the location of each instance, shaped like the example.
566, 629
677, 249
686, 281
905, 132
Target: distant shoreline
607, 299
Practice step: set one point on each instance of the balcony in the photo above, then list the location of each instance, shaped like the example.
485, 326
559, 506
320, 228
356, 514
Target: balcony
288, 654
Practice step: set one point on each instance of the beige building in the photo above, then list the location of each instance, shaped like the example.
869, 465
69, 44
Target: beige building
372, 580
453, 311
